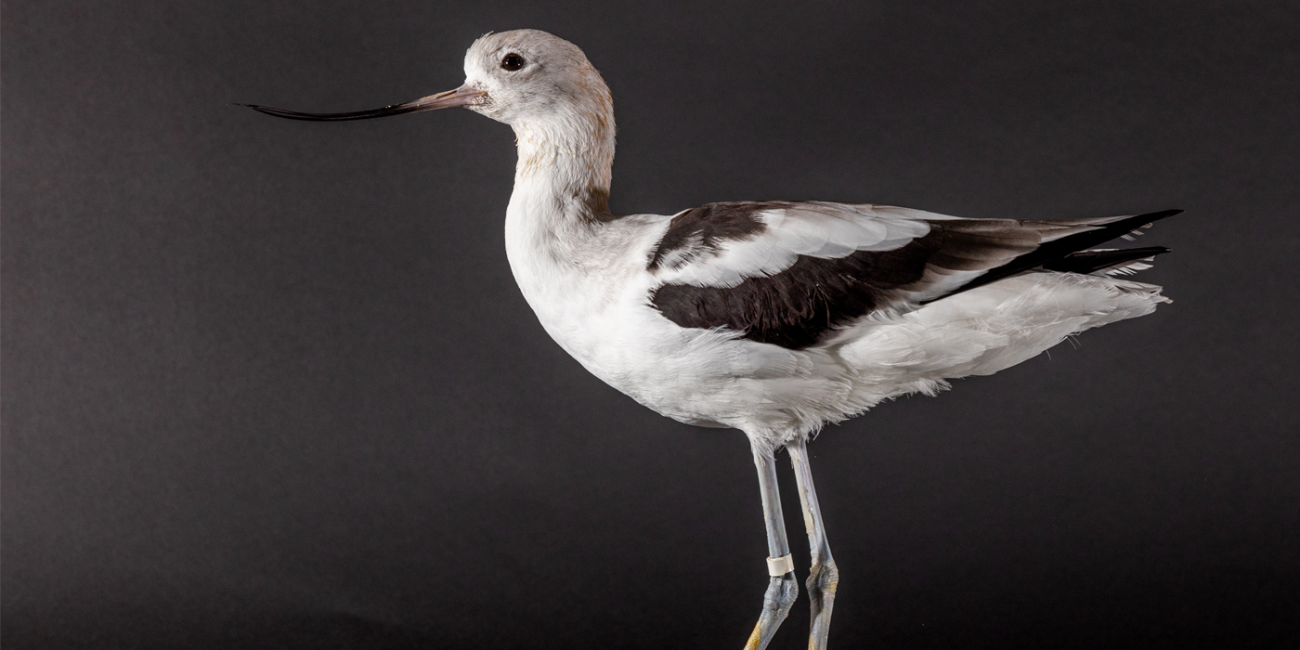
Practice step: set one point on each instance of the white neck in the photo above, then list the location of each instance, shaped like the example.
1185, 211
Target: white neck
566, 163
560, 199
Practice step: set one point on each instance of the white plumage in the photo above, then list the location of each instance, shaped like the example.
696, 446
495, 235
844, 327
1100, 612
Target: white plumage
595, 305
814, 229
776, 317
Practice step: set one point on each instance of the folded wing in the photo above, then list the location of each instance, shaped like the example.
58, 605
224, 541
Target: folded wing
791, 274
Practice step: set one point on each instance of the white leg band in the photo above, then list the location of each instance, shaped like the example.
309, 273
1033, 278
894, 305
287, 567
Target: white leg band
779, 566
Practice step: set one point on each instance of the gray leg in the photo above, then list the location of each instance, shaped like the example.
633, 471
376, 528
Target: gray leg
782, 590
824, 577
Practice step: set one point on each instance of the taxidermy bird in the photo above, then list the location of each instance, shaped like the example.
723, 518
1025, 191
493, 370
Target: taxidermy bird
772, 317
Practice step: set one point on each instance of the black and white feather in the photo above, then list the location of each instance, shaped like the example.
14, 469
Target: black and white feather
772, 317
793, 274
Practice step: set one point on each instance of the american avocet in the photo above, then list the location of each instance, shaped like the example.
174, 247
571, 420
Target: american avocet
772, 317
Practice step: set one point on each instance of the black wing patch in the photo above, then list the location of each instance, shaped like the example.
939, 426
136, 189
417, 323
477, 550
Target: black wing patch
812, 298
706, 228
795, 307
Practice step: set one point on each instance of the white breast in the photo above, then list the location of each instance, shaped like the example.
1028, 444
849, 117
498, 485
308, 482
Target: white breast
590, 290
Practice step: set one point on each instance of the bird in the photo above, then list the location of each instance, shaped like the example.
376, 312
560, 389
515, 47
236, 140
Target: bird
772, 317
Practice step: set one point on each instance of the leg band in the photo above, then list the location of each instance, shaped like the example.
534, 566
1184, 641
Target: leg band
777, 567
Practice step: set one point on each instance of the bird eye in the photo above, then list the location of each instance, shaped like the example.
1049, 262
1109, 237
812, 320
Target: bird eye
512, 62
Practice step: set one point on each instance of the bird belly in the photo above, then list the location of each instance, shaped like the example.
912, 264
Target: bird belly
702, 377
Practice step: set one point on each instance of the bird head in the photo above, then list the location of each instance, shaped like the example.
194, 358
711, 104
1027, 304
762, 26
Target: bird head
526, 78
529, 76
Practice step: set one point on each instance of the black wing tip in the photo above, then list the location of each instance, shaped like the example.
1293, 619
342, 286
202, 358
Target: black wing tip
1140, 220
1055, 255
1148, 251
1161, 214
1092, 261
1121, 227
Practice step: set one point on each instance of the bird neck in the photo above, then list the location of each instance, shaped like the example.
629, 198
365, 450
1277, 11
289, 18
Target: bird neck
565, 167
559, 209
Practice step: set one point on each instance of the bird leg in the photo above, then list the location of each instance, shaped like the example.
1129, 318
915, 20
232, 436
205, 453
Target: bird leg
824, 577
782, 590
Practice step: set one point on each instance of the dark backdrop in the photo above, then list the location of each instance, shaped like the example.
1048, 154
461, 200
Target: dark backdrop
270, 384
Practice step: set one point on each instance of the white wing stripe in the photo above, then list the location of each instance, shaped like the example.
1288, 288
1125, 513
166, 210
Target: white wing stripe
818, 230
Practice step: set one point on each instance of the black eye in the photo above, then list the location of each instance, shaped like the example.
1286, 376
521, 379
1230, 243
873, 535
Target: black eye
512, 61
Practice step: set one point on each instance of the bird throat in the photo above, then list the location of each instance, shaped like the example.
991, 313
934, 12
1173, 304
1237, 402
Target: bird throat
565, 169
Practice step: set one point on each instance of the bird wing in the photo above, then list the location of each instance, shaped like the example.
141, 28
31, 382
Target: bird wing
791, 273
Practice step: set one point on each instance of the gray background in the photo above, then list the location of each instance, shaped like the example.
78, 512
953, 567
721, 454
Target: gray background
270, 384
